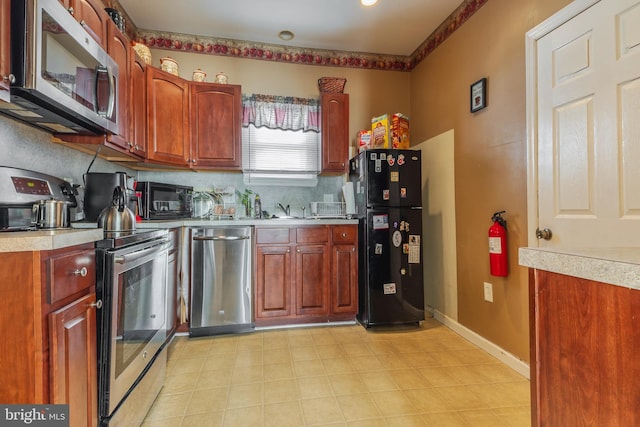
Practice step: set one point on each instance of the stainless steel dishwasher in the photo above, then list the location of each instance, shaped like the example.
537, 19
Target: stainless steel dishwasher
221, 280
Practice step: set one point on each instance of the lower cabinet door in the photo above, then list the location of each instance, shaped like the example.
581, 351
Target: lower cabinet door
312, 278
73, 360
273, 281
344, 283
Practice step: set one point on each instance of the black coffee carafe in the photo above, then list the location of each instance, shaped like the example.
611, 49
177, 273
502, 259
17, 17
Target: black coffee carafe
99, 189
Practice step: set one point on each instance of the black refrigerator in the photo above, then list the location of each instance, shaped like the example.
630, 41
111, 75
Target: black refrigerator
388, 195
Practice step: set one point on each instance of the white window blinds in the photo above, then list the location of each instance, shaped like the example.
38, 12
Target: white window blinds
280, 141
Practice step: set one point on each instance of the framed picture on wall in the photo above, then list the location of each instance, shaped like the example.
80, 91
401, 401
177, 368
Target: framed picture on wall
479, 95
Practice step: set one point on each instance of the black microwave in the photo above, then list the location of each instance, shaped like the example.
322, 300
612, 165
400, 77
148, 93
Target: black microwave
164, 201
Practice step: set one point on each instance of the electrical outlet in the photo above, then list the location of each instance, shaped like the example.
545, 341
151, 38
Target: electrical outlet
488, 292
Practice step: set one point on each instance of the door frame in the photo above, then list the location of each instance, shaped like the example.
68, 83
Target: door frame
531, 66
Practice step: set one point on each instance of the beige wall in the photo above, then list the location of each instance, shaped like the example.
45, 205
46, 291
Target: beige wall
439, 224
489, 155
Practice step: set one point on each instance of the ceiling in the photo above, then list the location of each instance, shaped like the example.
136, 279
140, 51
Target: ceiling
391, 27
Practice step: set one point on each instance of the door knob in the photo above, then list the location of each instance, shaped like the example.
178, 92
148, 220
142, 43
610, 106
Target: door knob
545, 234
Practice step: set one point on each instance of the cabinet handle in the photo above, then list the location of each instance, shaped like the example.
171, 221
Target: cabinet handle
71, 11
298, 250
288, 251
353, 249
84, 24
82, 272
9, 78
97, 304
344, 234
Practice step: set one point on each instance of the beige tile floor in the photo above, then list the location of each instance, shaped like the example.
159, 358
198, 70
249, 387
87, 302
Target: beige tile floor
338, 376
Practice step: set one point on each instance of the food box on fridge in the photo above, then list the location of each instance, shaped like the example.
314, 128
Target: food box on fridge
380, 131
400, 131
364, 140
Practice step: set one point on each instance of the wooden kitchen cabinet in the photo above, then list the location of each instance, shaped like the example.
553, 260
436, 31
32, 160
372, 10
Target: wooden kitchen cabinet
138, 105
273, 273
74, 360
48, 354
584, 340
167, 118
5, 49
92, 16
118, 47
335, 133
195, 125
312, 271
216, 112
344, 272
302, 276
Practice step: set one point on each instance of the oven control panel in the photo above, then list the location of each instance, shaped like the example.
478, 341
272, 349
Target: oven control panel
21, 187
31, 186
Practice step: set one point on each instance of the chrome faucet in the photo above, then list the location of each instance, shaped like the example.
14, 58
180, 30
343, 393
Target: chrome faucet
286, 210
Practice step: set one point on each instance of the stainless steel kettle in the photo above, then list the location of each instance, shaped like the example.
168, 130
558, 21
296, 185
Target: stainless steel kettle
117, 217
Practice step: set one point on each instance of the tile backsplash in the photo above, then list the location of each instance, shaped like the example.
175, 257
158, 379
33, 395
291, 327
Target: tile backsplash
26, 147
295, 197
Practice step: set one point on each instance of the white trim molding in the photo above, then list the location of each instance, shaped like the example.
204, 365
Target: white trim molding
499, 353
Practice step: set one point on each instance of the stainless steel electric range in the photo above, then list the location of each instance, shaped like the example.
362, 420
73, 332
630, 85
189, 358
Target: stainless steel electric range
131, 282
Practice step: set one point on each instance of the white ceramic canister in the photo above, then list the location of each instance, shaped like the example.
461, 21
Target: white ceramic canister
143, 51
221, 78
169, 65
199, 75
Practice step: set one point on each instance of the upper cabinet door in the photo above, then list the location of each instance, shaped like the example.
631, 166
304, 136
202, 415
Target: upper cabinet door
216, 126
5, 60
91, 15
167, 118
138, 104
119, 49
335, 132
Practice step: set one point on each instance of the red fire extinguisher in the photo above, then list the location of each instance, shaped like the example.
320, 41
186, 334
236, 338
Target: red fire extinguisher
498, 245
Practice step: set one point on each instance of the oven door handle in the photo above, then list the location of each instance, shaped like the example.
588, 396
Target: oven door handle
123, 259
221, 238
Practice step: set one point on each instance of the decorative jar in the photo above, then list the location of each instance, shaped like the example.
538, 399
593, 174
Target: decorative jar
143, 51
169, 65
199, 75
221, 78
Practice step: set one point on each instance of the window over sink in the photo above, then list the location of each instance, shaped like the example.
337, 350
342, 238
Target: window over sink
280, 140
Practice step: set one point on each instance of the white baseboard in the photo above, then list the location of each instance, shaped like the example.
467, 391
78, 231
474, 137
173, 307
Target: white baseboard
504, 356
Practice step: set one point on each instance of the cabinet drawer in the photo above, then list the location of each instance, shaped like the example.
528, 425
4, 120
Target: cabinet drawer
69, 273
312, 234
272, 235
344, 233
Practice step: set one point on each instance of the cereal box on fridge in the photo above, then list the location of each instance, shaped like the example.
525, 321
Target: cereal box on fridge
400, 131
380, 132
364, 140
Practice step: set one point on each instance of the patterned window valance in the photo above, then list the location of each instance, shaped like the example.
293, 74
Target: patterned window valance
281, 112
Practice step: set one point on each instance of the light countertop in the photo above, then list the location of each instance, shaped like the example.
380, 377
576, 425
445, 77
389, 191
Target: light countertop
86, 232
195, 222
42, 240
616, 266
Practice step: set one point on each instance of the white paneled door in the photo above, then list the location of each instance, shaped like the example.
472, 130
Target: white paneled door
584, 126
